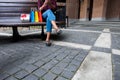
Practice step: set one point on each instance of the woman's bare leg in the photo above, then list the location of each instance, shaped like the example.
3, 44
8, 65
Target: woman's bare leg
48, 36
55, 25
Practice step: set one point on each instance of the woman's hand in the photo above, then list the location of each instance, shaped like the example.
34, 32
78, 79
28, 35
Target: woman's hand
44, 5
40, 8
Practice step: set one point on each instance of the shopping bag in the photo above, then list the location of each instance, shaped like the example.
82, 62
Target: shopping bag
25, 17
32, 16
36, 16
40, 16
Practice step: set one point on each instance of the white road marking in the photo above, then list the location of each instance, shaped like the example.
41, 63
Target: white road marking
96, 66
106, 30
104, 41
82, 30
5, 34
30, 33
116, 51
72, 45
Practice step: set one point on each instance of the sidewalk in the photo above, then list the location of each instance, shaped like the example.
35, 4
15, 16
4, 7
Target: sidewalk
82, 52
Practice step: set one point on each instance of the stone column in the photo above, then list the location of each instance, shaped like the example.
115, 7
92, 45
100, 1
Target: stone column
83, 10
99, 10
72, 8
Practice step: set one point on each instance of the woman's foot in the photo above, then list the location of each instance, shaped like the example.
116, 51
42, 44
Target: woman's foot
48, 43
59, 32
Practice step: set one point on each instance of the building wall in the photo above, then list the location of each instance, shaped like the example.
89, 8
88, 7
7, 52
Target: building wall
83, 10
102, 10
72, 8
113, 10
99, 10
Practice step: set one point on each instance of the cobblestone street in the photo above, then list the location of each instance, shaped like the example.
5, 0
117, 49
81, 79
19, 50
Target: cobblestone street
84, 51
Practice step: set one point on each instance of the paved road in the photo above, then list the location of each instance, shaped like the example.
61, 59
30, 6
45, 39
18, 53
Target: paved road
83, 52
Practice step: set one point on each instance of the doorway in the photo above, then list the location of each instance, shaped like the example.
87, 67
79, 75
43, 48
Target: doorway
90, 9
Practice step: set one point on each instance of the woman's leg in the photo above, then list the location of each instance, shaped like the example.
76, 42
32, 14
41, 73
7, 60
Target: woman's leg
50, 20
48, 25
48, 29
54, 25
51, 17
48, 37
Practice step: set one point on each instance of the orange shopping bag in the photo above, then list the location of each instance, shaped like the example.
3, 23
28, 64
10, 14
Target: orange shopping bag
40, 16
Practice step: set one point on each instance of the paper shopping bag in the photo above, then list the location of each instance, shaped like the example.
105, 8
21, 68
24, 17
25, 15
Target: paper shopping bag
36, 16
25, 17
40, 16
32, 18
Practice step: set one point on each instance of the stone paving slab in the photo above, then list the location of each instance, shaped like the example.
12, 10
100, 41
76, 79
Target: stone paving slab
116, 41
89, 27
30, 59
115, 29
43, 60
80, 37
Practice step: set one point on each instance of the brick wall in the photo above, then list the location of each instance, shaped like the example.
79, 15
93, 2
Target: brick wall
102, 9
98, 11
72, 7
113, 10
83, 9
97, 8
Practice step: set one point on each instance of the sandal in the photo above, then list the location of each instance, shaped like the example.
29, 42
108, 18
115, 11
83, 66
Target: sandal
59, 32
48, 43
